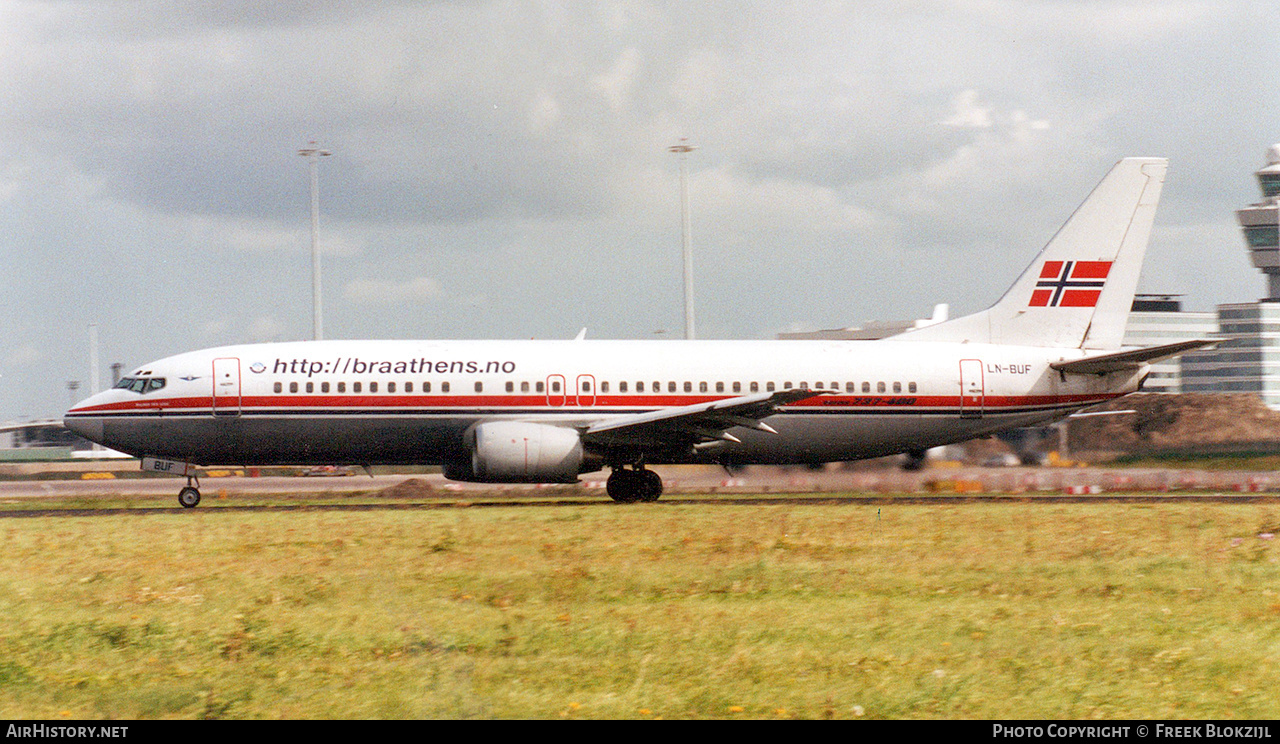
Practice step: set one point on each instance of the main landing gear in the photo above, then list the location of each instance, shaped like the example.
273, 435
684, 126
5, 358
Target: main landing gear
637, 484
189, 497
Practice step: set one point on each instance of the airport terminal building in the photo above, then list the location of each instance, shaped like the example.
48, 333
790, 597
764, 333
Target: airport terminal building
1159, 319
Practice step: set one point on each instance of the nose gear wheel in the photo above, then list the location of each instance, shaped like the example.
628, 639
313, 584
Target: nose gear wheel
189, 496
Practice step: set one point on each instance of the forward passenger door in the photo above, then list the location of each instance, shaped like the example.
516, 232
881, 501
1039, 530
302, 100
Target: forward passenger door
226, 387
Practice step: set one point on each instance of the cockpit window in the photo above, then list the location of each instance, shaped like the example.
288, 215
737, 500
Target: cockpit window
140, 384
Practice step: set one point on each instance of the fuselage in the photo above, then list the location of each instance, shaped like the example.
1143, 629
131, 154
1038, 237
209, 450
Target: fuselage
412, 402
548, 411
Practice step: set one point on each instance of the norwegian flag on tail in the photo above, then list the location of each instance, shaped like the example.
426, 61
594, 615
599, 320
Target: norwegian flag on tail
1070, 283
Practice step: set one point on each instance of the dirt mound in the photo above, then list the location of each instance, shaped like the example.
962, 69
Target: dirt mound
411, 488
1162, 422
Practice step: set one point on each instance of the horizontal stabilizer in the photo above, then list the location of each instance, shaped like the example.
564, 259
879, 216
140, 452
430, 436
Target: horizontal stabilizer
1123, 361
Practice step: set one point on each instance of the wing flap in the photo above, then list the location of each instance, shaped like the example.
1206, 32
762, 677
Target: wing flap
696, 423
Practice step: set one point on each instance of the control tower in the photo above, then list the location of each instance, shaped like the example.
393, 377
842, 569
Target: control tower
1248, 361
1261, 224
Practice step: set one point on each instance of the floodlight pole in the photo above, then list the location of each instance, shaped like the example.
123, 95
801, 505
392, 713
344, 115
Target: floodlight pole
683, 149
94, 376
93, 359
313, 154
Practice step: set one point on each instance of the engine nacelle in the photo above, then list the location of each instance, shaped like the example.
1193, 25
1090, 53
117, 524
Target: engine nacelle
520, 452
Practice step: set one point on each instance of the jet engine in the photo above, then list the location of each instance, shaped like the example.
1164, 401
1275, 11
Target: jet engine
520, 452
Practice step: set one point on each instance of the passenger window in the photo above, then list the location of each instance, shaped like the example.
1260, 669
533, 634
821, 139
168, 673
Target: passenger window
311, 387
816, 385
373, 387
768, 387
850, 387
511, 387
639, 387
524, 387
688, 386
391, 387
604, 387
444, 387
880, 387
279, 387
586, 386
408, 387
786, 385
702, 387
622, 387
671, 387
897, 387
755, 387
866, 387
737, 387
342, 387
539, 386
293, 387
355, 387
479, 387
911, 387
555, 386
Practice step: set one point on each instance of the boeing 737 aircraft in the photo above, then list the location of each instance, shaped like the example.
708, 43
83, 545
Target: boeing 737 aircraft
549, 411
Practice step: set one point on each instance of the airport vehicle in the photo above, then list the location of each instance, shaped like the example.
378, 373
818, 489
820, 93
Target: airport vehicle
548, 411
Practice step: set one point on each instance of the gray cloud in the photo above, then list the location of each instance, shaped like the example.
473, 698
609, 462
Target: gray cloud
857, 160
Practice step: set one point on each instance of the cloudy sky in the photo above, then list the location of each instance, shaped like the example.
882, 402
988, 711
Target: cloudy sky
499, 169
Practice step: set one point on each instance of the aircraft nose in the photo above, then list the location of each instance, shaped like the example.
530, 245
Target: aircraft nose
86, 425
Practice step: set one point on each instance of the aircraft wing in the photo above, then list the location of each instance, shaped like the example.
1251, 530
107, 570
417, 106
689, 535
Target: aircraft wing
42, 424
700, 422
1121, 361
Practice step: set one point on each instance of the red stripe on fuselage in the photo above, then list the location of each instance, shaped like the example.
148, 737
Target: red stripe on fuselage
250, 404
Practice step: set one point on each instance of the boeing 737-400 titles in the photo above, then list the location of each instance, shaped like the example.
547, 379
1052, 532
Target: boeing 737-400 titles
549, 411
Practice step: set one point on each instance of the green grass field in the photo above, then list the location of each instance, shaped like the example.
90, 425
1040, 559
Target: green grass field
646, 611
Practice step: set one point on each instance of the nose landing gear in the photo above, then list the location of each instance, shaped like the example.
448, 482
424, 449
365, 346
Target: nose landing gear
637, 484
189, 497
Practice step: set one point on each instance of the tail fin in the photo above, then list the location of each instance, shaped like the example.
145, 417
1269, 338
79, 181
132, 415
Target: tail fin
1078, 291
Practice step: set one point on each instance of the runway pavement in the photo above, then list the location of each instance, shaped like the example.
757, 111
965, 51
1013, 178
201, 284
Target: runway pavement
679, 479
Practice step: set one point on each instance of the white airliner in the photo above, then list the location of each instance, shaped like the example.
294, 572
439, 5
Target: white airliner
548, 411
